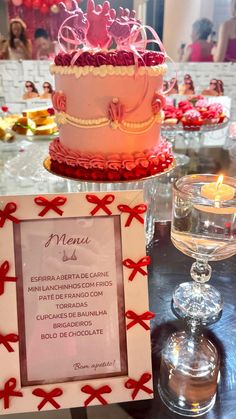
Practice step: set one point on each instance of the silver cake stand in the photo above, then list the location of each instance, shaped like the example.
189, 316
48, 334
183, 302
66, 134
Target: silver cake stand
149, 185
192, 138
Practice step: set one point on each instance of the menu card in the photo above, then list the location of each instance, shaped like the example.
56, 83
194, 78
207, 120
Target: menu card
70, 299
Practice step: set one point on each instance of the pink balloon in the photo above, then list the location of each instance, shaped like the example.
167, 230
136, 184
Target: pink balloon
17, 2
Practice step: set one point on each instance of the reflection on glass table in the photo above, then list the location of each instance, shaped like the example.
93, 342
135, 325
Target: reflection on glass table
150, 192
169, 268
25, 172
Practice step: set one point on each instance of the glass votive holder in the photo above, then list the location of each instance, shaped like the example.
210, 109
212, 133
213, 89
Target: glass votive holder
230, 144
162, 206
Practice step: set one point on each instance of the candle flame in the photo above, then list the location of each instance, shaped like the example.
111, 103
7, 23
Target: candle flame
219, 182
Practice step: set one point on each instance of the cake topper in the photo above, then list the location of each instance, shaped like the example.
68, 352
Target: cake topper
101, 25
125, 27
74, 28
100, 19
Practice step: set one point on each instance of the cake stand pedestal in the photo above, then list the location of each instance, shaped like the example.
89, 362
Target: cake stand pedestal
191, 138
149, 186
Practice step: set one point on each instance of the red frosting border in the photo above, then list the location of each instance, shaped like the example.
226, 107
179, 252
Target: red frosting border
114, 58
157, 163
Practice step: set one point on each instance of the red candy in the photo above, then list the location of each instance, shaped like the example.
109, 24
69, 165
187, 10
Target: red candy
185, 105
192, 120
156, 165
192, 117
217, 108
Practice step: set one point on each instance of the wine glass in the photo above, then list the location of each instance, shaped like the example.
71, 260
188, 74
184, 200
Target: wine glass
204, 228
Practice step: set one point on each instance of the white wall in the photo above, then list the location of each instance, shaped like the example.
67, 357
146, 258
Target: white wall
202, 73
207, 9
222, 12
179, 16
140, 6
13, 75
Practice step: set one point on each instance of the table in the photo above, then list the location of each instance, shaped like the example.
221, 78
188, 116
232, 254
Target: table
170, 267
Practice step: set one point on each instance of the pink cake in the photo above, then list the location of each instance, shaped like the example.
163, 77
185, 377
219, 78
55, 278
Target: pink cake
108, 102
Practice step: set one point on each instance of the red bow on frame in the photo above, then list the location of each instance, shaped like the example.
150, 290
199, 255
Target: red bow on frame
137, 266
9, 391
5, 214
139, 319
96, 393
7, 339
133, 212
48, 397
48, 205
101, 203
4, 268
139, 385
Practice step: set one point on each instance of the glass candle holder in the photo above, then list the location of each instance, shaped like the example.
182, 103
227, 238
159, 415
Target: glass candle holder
204, 228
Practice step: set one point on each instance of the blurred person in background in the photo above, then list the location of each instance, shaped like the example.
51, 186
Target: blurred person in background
173, 86
19, 46
183, 87
215, 88
165, 85
47, 91
188, 87
181, 51
3, 48
226, 46
45, 48
201, 49
220, 87
31, 91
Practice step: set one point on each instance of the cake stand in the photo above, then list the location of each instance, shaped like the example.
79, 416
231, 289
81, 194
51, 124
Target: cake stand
191, 138
149, 185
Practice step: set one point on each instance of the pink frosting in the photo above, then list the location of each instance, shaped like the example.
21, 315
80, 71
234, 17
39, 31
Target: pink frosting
63, 154
202, 103
217, 108
59, 101
115, 58
192, 115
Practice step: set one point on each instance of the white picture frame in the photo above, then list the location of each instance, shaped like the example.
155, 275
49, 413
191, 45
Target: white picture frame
26, 212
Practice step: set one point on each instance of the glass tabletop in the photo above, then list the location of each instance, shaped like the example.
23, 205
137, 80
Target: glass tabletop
22, 172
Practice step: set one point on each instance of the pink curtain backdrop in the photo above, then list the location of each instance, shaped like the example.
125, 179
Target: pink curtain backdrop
51, 22
35, 19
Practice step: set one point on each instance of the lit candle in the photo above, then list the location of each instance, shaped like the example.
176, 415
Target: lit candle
218, 191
